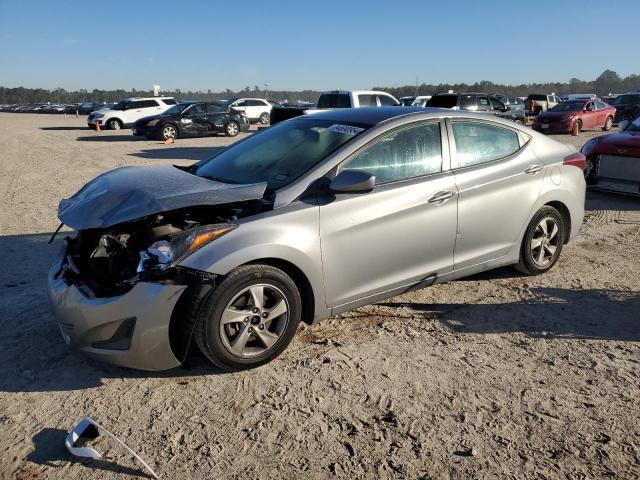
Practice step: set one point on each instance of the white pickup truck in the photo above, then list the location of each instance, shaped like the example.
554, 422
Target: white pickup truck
336, 99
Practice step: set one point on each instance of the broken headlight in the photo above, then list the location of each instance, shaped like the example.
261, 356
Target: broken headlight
164, 253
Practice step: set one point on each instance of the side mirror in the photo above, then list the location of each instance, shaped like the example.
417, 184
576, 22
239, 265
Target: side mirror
352, 181
623, 124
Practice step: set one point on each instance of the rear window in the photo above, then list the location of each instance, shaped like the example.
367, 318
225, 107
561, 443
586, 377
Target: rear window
443, 101
334, 100
537, 98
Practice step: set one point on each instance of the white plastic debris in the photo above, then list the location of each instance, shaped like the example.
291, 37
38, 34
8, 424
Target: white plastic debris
88, 429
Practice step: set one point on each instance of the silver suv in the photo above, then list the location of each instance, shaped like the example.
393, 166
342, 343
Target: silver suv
315, 216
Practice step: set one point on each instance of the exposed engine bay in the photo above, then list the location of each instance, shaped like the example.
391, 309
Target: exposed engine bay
109, 261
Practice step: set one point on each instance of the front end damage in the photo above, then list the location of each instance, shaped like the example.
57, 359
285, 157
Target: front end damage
117, 291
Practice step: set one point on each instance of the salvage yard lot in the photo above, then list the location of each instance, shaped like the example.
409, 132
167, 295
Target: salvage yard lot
493, 376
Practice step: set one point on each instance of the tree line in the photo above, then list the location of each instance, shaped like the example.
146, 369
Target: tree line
607, 82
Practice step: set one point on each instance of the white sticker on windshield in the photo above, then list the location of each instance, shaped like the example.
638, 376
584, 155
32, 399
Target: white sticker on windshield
346, 129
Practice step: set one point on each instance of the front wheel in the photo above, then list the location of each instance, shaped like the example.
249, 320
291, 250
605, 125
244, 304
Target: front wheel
114, 124
608, 124
231, 129
168, 131
249, 318
542, 242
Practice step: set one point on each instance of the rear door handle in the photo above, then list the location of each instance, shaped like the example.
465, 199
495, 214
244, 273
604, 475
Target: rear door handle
441, 197
533, 169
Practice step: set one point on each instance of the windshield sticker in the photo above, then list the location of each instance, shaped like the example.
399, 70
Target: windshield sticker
346, 129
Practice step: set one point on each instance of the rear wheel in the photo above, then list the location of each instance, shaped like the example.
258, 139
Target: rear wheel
250, 317
114, 124
168, 131
577, 128
542, 242
608, 124
231, 129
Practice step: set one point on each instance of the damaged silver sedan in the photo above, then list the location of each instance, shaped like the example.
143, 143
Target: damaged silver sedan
312, 217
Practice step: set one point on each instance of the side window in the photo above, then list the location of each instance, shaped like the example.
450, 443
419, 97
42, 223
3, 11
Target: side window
168, 101
480, 142
401, 154
196, 109
241, 103
149, 103
213, 108
367, 100
601, 105
134, 105
483, 104
386, 101
468, 102
496, 104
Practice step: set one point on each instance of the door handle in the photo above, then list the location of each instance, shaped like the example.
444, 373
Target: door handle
441, 197
533, 169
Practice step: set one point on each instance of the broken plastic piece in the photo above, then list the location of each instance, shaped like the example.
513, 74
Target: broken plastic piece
88, 429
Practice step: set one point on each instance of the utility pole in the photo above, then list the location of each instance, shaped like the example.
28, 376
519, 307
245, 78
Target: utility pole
415, 94
266, 91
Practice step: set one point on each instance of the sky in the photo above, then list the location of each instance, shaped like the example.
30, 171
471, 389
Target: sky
201, 45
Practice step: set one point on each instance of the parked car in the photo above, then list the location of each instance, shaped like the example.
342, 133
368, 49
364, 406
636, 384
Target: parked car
613, 160
406, 101
307, 219
627, 106
538, 103
574, 116
515, 103
193, 119
579, 96
256, 109
472, 102
336, 99
128, 111
421, 101
504, 110
86, 108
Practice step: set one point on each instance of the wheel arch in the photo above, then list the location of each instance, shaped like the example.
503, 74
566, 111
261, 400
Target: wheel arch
566, 217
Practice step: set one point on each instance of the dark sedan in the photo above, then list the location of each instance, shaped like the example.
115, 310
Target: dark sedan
192, 119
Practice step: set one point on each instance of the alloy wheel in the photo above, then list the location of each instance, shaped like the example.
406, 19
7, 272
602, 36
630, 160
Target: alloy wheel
232, 129
544, 242
254, 320
168, 132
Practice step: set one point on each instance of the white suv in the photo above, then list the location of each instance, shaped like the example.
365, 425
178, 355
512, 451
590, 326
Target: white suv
256, 109
128, 111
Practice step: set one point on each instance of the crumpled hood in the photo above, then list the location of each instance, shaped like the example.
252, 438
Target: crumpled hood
129, 193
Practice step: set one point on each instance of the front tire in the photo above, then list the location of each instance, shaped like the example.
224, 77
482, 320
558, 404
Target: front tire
608, 124
542, 242
264, 118
231, 129
168, 131
114, 124
249, 318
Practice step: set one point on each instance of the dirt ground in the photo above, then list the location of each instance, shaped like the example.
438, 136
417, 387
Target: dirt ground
494, 376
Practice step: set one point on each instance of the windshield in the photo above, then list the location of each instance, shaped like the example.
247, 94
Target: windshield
567, 107
120, 105
280, 154
176, 109
634, 126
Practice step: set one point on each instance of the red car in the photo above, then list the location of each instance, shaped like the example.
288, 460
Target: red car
574, 116
613, 161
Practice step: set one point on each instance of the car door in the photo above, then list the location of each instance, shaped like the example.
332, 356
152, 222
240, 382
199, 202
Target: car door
590, 116
498, 180
398, 234
132, 112
194, 120
241, 106
215, 117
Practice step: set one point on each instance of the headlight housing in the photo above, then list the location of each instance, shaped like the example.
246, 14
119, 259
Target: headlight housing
587, 147
153, 123
166, 253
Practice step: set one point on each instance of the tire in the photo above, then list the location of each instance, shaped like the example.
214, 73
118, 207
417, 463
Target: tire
114, 124
264, 118
168, 130
535, 260
248, 338
231, 129
608, 124
576, 128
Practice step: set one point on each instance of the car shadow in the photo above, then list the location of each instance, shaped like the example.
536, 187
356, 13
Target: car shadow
64, 128
99, 137
181, 153
48, 448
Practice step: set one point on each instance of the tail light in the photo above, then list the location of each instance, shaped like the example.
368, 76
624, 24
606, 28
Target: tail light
577, 160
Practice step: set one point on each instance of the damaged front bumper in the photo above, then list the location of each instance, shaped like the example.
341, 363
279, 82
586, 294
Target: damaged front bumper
130, 330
